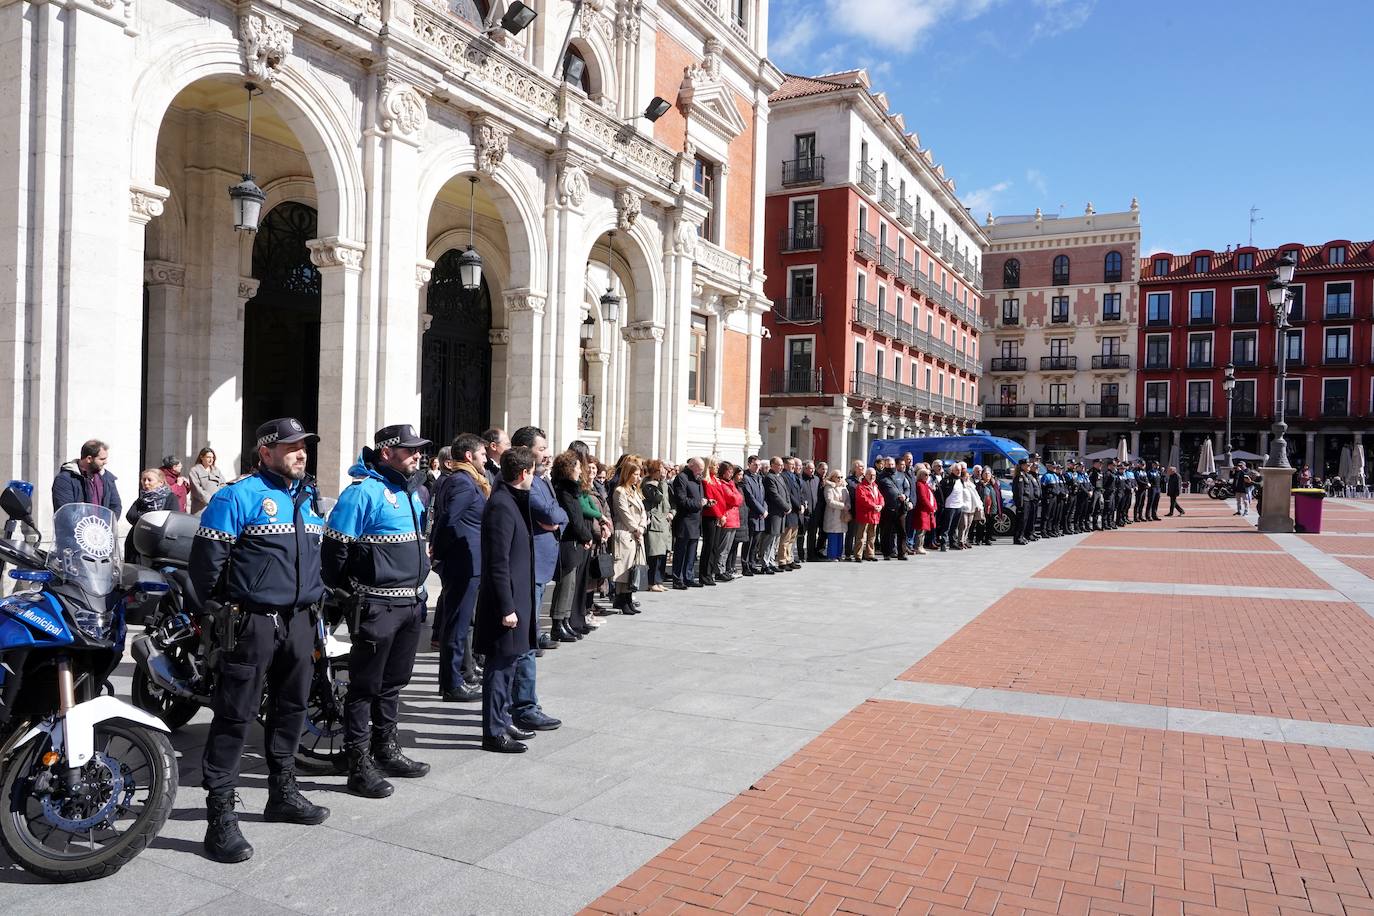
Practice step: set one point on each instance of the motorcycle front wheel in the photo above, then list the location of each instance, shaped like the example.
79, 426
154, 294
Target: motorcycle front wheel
129, 788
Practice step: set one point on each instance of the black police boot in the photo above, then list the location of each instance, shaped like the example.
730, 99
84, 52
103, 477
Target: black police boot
286, 804
363, 776
392, 761
224, 841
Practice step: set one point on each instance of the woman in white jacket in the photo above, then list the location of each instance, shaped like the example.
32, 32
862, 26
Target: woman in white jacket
974, 515
955, 503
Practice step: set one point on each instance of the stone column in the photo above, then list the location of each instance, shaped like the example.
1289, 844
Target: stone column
679, 273
1135, 444
865, 417
167, 362
567, 270
1264, 442
1082, 442
523, 360
500, 369
756, 308
340, 265
1031, 440
1310, 453
645, 340
839, 438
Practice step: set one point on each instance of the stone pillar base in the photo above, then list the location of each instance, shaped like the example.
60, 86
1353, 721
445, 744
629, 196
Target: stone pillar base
1277, 516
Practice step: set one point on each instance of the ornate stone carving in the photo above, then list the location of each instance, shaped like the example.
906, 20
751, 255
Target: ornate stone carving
642, 330
162, 273
627, 204
499, 337
248, 287
265, 43
734, 303
335, 252
401, 109
518, 300
480, 60
685, 236
423, 271
627, 27
573, 186
492, 138
145, 202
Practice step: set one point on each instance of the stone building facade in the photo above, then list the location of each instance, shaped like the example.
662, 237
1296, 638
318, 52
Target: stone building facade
133, 311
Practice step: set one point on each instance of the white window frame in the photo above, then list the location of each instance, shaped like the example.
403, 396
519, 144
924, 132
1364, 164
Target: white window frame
1349, 392
1211, 290
860, 286
1253, 333
897, 367
1168, 312
787, 351
1253, 385
879, 364
1350, 347
1211, 396
1326, 288
1168, 351
1167, 393
1290, 381
1211, 347
802, 198
860, 351
1259, 304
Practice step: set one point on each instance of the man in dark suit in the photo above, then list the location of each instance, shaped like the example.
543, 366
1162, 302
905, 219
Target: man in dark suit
788, 555
507, 625
809, 534
457, 551
1021, 497
755, 502
549, 518
778, 502
851, 483
1173, 486
895, 505
688, 501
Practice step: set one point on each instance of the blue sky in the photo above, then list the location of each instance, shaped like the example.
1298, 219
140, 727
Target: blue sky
1054, 103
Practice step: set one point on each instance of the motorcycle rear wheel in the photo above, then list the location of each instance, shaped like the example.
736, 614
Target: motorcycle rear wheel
148, 771
321, 747
174, 711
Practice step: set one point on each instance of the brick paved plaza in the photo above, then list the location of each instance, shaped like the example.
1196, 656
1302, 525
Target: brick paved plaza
1172, 716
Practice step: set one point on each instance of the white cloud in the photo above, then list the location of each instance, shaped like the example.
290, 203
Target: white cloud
1059, 16
1036, 179
899, 24
984, 200
796, 39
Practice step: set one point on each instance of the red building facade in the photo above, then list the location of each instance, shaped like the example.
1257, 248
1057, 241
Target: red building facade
1203, 310
873, 270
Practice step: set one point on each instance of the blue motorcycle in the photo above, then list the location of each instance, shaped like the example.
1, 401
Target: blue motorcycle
86, 780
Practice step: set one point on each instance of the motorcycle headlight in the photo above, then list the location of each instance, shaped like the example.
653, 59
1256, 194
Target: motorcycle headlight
95, 624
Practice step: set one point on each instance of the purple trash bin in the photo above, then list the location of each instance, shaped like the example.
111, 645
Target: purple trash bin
1307, 510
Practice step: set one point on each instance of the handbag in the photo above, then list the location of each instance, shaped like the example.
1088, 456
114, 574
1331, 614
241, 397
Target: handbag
639, 578
604, 567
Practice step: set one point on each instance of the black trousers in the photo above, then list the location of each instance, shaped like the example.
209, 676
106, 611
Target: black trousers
1174, 507
711, 532
890, 537
498, 691
275, 650
1142, 496
1025, 517
1152, 506
459, 599
380, 664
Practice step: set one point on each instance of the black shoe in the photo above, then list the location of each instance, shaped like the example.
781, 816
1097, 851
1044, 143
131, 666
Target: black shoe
547, 642
631, 609
679, 587
363, 776
582, 630
727, 578
710, 582
747, 571
463, 694
558, 634
392, 761
515, 733
286, 804
538, 721
502, 744
695, 585
224, 841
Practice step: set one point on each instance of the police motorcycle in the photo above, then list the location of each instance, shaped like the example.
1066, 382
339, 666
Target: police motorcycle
1217, 488
177, 657
86, 780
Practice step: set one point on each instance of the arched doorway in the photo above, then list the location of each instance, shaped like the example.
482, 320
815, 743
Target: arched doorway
281, 325
455, 368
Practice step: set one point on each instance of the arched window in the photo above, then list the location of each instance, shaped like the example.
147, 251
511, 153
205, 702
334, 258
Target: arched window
1111, 267
1011, 274
474, 11
1061, 271
576, 71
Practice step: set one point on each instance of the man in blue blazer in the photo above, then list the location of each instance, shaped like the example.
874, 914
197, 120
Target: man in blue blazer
754, 499
457, 540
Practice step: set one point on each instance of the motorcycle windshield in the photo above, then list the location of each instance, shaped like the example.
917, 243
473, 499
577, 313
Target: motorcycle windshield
83, 548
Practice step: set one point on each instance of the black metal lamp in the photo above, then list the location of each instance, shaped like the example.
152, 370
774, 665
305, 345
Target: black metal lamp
517, 17
470, 262
587, 331
658, 107
246, 196
610, 302
1288, 263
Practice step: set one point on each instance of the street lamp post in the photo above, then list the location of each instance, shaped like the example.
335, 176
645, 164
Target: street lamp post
1277, 503
1228, 384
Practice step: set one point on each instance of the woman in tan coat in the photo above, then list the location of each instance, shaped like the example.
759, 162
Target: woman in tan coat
630, 520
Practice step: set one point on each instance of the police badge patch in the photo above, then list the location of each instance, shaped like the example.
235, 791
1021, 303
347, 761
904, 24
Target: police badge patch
269, 505
391, 498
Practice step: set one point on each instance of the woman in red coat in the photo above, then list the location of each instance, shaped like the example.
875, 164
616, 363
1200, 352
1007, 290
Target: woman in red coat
728, 497
868, 507
926, 507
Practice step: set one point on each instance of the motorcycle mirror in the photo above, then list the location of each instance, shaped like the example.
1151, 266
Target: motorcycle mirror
17, 501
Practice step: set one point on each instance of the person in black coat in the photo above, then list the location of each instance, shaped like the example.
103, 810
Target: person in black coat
895, 506
456, 546
1173, 487
567, 613
789, 557
777, 502
688, 500
1021, 497
154, 495
507, 621
751, 485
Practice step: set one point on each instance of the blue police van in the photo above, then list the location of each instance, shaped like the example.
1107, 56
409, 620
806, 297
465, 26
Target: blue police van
975, 447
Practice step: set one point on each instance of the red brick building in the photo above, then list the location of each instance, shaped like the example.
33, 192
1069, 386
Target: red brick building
1205, 309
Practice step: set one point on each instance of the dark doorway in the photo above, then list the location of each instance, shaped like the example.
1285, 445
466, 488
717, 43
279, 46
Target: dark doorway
281, 326
455, 368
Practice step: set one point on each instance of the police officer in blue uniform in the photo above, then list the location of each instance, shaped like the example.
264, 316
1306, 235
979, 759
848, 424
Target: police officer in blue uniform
1051, 501
374, 548
1155, 476
257, 551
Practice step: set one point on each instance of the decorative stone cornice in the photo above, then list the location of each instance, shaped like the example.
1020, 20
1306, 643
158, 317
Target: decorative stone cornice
642, 330
523, 300
499, 337
248, 287
628, 202
401, 110
265, 44
492, 139
336, 252
145, 201
163, 273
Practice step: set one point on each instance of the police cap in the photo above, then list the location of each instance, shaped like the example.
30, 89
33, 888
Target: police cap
402, 435
284, 431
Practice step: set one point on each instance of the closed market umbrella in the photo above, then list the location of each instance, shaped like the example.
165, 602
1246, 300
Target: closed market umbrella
1173, 456
1346, 464
1358, 469
1121, 451
1206, 462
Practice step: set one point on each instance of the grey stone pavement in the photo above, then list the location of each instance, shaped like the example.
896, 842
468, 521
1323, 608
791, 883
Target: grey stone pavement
668, 715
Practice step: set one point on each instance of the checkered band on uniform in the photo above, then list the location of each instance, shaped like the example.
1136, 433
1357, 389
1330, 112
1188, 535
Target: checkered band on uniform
312, 528
403, 538
285, 528
394, 440
371, 591
212, 534
269, 439
339, 536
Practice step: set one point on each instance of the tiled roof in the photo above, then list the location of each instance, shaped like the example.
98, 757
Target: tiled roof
795, 87
1358, 256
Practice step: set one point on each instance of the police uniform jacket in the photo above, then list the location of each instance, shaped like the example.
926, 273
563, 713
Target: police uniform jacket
1020, 490
457, 534
507, 576
262, 536
374, 543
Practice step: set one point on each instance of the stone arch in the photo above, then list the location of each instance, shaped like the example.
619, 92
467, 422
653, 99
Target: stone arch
165, 239
640, 249
520, 211
495, 265
597, 56
325, 131
295, 188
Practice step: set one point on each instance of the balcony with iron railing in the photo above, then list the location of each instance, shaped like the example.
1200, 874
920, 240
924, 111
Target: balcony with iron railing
1336, 359
922, 227
889, 195
863, 384
1199, 410
1059, 317
1107, 410
801, 237
1058, 363
887, 259
1112, 361
803, 171
865, 313
1058, 411
1008, 364
887, 323
906, 214
799, 309
906, 273
1005, 411
866, 245
1202, 320
868, 177
795, 381
1009, 320
905, 332
947, 251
